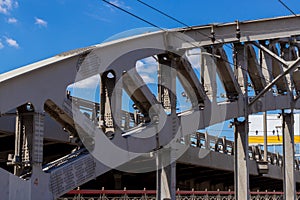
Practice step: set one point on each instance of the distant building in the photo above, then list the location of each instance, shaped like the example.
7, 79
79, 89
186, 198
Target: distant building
274, 132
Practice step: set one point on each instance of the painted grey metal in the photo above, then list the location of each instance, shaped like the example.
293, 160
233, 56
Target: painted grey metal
269, 86
226, 74
241, 166
266, 29
208, 74
241, 158
265, 135
190, 82
166, 176
166, 184
289, 155
277, 69
255, 70
271, 53
35, 84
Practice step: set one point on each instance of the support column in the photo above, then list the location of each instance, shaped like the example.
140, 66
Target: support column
265, 136
38, 137
166, 172
18, 146
166, 176
106, 108
28, 156
241, 155
241, 171
209, 74
288, 154
29, 140
39, 179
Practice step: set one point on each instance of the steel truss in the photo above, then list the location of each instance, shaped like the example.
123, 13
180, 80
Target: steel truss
265, 59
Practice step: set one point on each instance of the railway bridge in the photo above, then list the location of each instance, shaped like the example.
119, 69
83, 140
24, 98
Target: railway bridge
61, 142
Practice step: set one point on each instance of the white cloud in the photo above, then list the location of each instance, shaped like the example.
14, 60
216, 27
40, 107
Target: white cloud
118, 3
12, 20
194, 57
40, 22
91, 82
98, 17
147, 65
147, 68
1, 45
7, 5
144, 68
11, 42
147, 79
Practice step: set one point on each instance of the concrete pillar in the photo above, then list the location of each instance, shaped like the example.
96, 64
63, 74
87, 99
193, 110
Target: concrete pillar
288, 154
209, 74
166, 164
107, 86
241, 171
28, 140
265, 136
38, 138
18, 147
166, 176
39, 180
29, 155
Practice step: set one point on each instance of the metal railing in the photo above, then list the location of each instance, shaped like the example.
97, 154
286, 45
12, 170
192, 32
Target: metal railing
222, 145
201, 140
180, 195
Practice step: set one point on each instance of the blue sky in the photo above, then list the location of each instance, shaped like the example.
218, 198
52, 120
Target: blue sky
33, 30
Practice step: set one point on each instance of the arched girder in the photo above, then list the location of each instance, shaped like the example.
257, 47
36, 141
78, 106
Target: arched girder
278, 27
139, 92
289, 53
49, 78
296, 79
226, 75
59, 66
209, 74
241, 66
190, 82
253, 30
277, 69
254, 70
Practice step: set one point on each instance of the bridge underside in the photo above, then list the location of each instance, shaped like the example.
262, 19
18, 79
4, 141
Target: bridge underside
53, 141
188, 177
